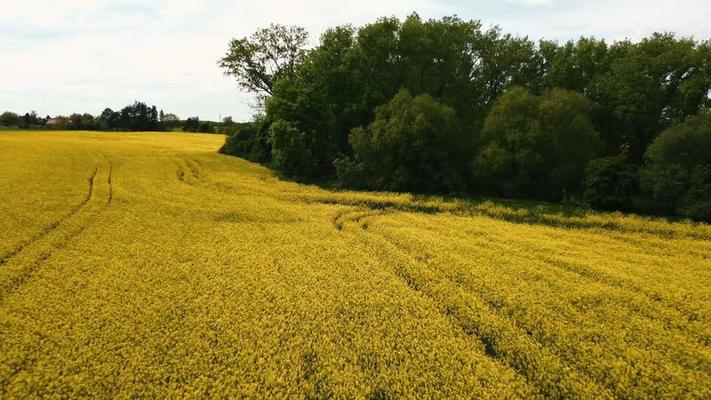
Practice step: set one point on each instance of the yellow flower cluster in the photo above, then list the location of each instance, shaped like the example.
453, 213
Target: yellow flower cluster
149, 266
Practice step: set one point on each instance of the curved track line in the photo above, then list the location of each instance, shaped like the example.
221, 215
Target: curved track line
109, 181
23, 272
490, 345
54, 225
495, 347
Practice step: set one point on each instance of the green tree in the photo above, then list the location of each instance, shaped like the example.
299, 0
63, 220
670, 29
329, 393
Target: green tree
414, 144
341, 82
250, 141
503, 61
290, 152
527, 115
270, 54
109, 119
610, 183
677, 171
139, 117
31, 120
206, 127
169, 117
9, 119
650, 86
536, 146
575, 65
192, 125
323, 99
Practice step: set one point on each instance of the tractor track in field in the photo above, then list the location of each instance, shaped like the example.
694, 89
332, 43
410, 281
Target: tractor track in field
22, 270
357, 219
642, 297
54, 225
109, 181
189, 171
497, 348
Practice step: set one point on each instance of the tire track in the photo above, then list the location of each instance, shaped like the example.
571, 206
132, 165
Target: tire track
502, 340
455, 300
640, 301
189, 171
109, 181
54, 225
19, 268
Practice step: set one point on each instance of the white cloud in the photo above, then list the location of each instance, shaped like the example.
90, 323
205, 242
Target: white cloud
78, 55
82, 55
531, 2
613, 19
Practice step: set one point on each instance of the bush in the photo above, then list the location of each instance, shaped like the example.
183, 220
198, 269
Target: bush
536, 146
677, 171
414, 144
290, 153
350, 173
240, 142
206, 127
9, 119
191, 125
250, 141
610, 184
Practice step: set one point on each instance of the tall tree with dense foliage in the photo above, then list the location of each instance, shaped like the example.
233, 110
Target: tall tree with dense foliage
636, 89
677, 173
341, 82
574, 65
529, 115
414, 144
321, 99
290, 153
139, 117
270, 54
536, 146
109, 119
191, 124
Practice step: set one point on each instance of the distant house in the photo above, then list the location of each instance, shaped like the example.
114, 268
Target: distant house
52, 121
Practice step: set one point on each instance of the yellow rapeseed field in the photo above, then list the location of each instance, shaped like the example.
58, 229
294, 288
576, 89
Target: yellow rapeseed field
149, 266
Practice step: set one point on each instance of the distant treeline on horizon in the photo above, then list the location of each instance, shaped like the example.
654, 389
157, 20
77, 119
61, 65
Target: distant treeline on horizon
134, 117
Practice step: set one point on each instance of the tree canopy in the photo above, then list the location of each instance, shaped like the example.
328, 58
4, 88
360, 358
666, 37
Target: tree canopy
270, 54
536, 146
414, 144
678, 171
528, 116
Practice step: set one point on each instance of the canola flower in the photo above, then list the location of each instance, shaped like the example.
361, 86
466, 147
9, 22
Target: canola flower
149, 266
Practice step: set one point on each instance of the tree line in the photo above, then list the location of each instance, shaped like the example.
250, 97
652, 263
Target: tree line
448, 106
134, 117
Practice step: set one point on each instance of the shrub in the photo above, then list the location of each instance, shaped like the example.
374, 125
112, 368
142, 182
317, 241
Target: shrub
290, 153
350, 173
192, 125
250, 141
240, 142
609, 183
9, 119
206, 127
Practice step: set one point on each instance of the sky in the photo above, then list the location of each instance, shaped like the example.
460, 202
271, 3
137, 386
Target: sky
65, 56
